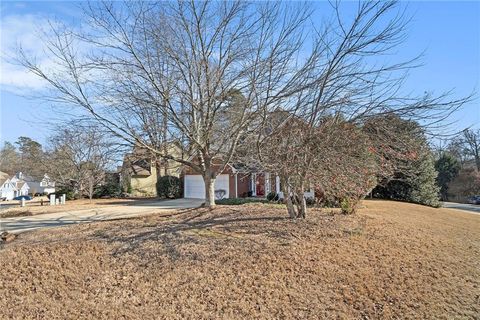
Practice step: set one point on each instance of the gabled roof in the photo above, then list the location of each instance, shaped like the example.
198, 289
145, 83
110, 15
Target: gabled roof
2, 181
20, 185
138, 170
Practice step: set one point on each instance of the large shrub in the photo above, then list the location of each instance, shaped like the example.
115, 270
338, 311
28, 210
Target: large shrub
394, 190
169, 187
272, 196
424, 185
112, 190
69, 193
418, 187
406, 167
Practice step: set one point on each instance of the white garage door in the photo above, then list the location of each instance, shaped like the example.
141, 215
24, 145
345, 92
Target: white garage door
195, 187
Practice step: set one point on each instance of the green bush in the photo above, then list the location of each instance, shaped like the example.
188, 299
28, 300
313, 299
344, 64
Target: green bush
169, 187
69, 193
419, 187
348, 206
239, 201
310, 201
107, 190
272, 196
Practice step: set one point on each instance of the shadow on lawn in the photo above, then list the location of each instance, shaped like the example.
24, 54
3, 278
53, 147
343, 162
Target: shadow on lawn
127, 201
196, 226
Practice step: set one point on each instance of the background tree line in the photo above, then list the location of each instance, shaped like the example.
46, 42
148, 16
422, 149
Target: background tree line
458, 166
78, 158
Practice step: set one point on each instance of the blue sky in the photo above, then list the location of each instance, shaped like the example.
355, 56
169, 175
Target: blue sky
448, 31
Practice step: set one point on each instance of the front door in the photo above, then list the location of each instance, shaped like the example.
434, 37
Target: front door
260, 185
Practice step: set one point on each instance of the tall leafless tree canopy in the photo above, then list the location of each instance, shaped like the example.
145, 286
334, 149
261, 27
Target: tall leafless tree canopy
470, 140
208, 74
79, 157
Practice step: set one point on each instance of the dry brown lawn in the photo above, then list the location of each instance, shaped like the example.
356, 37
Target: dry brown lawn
390, 261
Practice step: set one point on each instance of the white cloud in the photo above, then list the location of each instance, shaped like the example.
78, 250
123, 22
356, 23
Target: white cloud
21, 30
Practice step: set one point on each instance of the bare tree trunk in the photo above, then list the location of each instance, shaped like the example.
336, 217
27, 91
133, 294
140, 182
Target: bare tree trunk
90, 188
302, 205
165, 145
209, 189
292, 212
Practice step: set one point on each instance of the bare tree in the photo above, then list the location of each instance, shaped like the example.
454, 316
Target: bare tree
334, 158
9, 159
455, 147
80, 156
471, 143
354, 81
465, 146
158, 72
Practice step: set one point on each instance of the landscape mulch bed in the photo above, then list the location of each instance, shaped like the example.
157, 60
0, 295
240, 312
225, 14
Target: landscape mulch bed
390, 261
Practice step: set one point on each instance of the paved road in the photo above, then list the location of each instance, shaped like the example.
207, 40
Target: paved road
22, 224
471, 208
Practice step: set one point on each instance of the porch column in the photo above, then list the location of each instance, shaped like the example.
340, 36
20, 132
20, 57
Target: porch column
236, 185
277, 184
254, 184
267, 183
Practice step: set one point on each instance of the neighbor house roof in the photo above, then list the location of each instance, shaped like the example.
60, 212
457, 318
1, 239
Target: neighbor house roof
3, 177
2, 180
138, 170
20, 184
138, 162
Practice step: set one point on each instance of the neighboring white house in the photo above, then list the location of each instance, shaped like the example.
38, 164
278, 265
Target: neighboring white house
21, 187
7, 188
44, 186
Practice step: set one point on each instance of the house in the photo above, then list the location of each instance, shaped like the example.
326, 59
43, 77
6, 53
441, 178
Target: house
45, 185
239, 181
236, 181
141, 170
21, 186
7, 188
12, 187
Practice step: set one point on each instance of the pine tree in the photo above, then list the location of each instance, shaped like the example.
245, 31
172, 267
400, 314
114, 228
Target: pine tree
448, 167
424, 189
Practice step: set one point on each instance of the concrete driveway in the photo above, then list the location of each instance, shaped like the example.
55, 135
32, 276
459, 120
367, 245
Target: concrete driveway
58, 219
471, 208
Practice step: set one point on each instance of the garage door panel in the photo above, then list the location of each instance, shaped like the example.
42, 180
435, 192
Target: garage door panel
222, 183
194, 186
